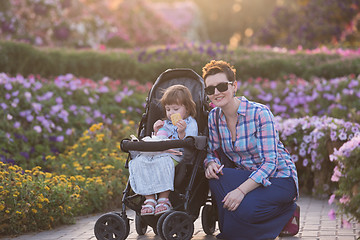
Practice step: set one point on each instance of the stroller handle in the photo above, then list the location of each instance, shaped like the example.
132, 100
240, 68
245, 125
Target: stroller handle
189, 142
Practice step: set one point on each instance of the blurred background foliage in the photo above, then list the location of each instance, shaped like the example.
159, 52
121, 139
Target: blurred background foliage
139, 23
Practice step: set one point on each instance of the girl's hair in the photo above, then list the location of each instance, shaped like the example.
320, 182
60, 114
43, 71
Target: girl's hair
179, 94
215, 67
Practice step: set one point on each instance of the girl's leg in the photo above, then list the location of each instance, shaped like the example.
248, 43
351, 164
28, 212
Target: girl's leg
163, 204
149, 205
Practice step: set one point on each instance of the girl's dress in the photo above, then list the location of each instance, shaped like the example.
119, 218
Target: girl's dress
258, 154
154, 173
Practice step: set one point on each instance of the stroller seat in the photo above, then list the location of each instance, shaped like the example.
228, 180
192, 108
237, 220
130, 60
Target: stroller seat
190, 186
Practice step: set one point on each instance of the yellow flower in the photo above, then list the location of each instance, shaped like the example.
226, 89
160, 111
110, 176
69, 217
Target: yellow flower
2, 207
89, 149
75, 146
84, 154
12, 168
87, 167
63, 166
18, 184
34, 210
39, 205
47, 188
131, 122
18, 212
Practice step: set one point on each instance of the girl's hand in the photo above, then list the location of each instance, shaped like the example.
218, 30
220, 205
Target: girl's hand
212, 170
181, 126
233, 199
157, 125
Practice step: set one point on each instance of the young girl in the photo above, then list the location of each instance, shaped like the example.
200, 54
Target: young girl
153, 175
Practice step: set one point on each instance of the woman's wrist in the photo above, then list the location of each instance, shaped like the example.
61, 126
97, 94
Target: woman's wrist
238, 188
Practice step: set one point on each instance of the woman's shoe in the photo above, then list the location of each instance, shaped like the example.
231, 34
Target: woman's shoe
163, 204
292, 227
145, 208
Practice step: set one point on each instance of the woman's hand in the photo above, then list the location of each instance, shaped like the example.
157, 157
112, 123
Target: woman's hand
233, 199
181, 126
157, 125
212, 170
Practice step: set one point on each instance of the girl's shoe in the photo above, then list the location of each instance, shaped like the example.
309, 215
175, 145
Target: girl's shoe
163, 205
145, 208
292, 227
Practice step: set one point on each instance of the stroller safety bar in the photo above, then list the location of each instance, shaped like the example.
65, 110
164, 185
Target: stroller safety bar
198, 142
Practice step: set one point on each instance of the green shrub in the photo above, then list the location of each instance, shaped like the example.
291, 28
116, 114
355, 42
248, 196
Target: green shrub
146, 65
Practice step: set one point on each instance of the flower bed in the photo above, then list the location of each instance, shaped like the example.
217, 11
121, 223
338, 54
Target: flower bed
44, 116
311, 140
347, 175
88, 177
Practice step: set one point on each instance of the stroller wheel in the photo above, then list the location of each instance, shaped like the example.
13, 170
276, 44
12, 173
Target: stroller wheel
111, 226
208, 219
179, 226
160, 224
140, 225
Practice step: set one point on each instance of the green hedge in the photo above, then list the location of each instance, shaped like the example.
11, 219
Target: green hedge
146, 65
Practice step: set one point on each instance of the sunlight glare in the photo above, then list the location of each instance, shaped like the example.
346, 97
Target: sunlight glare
234, 40
236, 7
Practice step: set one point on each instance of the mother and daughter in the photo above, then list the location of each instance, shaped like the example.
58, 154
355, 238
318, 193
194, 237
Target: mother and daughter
251, 174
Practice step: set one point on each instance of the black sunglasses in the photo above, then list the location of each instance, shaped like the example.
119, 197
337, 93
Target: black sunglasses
221, 87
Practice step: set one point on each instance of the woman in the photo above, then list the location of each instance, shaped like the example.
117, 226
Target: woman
256, 196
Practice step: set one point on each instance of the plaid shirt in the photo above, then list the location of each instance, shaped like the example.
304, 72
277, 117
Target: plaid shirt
257, 147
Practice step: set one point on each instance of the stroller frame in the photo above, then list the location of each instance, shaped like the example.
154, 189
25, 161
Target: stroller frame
187, 200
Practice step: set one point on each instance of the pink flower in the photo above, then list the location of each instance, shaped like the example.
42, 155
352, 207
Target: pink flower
337, 174
346, 224
344, 199
331, 199
332, 214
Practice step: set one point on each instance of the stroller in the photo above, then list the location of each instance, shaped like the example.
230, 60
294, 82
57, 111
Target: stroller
191, 190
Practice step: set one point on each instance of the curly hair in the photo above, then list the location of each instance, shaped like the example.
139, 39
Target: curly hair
215, 67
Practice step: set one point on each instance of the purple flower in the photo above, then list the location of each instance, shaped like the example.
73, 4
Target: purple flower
343, 136
68, 131
59, 100
37, 107
37, 128
29, 118
8, 86
7, 96
15, 93
302, 152
25, 155
64, 115
27, 96
4, 106
60, 138
16, 125
333, 135
305, 162
55, 109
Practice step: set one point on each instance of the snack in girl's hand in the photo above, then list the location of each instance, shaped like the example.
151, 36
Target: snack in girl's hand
175, 118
